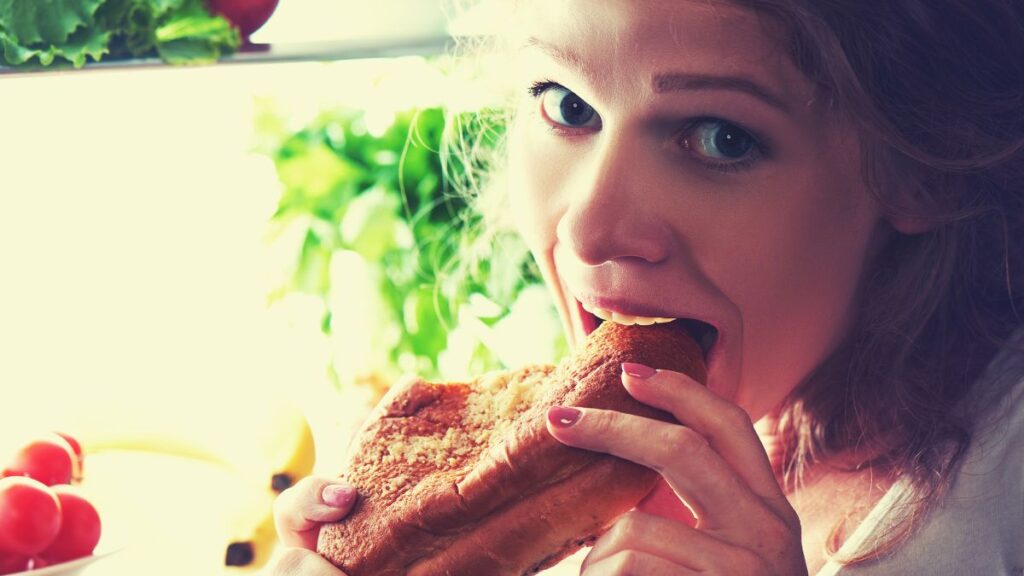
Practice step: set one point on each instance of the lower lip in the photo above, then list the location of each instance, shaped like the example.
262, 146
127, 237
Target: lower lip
588, 321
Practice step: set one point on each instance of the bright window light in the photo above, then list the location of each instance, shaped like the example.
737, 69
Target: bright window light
297, 21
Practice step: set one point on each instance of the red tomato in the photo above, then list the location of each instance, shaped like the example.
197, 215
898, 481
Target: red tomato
13, 563
76, 448
49, 459
30, 516
246, 15
79, 531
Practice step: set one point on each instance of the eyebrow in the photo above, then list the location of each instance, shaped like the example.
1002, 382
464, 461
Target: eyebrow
673, 82
567, 57
663, 83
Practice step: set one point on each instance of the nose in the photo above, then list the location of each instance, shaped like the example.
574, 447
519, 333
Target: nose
611, 210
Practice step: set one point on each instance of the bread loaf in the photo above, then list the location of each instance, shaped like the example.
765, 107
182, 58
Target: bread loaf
464, 479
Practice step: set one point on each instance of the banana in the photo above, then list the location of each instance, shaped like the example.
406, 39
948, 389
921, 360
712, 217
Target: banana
251, 535
220, 523
262, 440
267, 440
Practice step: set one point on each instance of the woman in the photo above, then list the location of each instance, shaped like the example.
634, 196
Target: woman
836, 187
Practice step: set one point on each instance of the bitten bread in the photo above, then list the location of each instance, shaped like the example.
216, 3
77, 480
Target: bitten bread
464, 479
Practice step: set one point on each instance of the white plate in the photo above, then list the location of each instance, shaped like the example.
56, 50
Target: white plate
108, 546
72, 567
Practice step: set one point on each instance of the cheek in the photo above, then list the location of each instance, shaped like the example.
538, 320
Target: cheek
800, 297
831, 243
533, 190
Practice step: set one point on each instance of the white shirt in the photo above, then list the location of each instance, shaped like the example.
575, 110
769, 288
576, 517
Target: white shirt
978, 529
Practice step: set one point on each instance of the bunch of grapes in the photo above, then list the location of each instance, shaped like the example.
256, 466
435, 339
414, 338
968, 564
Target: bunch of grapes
44, 520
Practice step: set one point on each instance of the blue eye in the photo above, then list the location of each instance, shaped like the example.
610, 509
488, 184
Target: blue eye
719, 140
563, 107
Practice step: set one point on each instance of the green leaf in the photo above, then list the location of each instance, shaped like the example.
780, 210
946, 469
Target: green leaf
194, 27
132, 24
85, 43
442, 278
312, 275
113, 14
196, 39
161, 7
53, 31
14, 54
424, 335
32, 22
313, 173
371, 225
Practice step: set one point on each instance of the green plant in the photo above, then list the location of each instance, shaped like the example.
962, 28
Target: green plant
383, 228
62, 32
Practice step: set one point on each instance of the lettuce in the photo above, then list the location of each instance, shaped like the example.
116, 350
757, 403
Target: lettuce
61, 32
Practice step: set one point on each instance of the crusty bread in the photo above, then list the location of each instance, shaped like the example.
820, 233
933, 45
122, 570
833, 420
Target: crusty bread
464, 479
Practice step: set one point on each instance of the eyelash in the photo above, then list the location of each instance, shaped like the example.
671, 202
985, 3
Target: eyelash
537, 89
760, 149
757, 153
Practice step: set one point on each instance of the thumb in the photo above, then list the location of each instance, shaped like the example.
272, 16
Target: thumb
300, 510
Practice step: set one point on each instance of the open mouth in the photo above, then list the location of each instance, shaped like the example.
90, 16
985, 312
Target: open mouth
703, 333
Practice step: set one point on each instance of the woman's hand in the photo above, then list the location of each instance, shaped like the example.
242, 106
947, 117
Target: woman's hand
715, 464
298, 513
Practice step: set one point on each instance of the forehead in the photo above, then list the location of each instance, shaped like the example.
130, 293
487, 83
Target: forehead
643, 38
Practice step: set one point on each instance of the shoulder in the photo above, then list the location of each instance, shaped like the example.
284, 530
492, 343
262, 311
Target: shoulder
988, 489
998, 410
980, 523
991, 478
979, 526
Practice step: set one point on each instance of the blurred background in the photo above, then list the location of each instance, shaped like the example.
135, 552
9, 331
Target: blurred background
198, 261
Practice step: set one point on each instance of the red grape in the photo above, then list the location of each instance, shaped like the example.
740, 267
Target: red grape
80, 530
49, 459
30, 516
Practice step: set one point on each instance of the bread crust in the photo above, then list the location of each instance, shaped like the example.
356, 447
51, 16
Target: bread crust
484, 488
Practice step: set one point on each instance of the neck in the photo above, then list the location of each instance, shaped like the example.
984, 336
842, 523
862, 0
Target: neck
767, 429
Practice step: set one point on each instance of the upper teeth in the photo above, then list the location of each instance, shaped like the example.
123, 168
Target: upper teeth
627, 319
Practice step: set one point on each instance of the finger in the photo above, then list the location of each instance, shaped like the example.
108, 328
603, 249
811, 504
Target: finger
300, 562
300, 510
726, 426
683, 457
634, 563
650, 534
677, 543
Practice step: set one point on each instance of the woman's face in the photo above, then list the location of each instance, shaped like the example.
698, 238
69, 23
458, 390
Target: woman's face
670, 161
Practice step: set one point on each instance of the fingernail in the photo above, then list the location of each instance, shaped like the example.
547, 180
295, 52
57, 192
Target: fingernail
563, 417
337, 495
638, 370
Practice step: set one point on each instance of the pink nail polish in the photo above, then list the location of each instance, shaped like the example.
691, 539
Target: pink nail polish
563, 417
337, 496
638, 370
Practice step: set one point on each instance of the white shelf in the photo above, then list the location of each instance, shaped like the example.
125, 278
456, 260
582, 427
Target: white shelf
319, 30
283, 52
